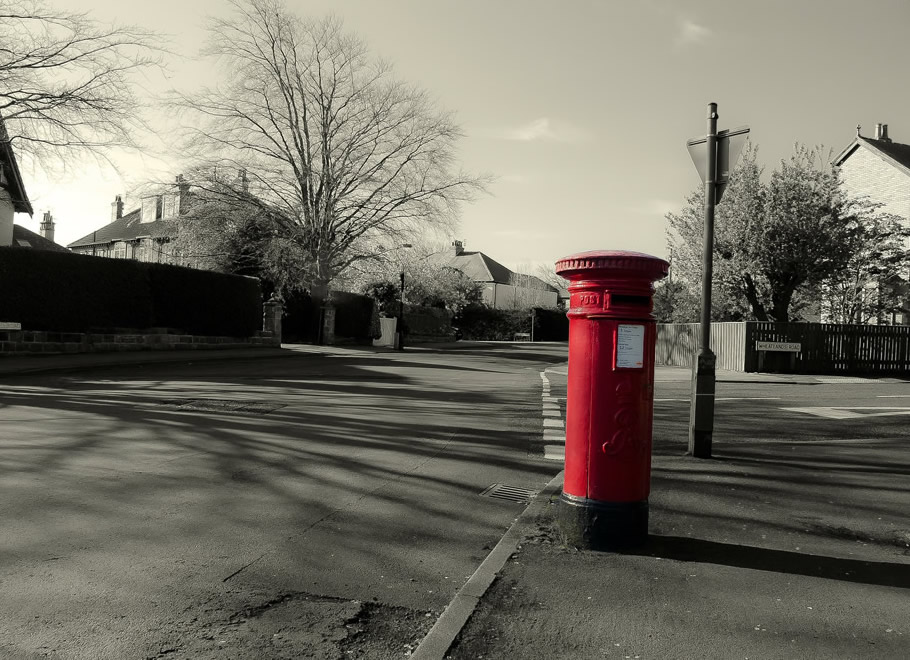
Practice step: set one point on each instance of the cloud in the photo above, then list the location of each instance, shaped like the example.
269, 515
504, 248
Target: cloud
542, 129
539, 129
690, 32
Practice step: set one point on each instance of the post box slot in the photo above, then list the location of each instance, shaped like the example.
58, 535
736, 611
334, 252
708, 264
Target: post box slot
625, 299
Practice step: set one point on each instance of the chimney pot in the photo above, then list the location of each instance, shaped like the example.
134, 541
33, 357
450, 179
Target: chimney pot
884, 137
47, 226
117, 208
878, 131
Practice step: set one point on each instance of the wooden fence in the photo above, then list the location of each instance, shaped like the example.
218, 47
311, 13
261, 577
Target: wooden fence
830, 348
677, 344
825, 348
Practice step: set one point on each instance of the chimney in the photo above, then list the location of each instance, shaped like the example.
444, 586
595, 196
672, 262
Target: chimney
881, 132
117, 208
459, 247
47, 226
183, 195
242, 181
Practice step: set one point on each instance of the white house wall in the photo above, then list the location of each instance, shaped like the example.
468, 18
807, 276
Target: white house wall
506, 296
6, 218
864, 173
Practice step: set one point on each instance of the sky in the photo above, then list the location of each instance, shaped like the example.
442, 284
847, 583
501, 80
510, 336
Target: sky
581, 109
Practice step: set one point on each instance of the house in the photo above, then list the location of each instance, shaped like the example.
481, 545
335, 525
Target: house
502, 288
878, 169
26, 238
143, 233
13, 198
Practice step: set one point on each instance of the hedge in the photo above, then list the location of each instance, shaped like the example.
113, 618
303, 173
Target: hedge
485, 323
301, 319
427, 323
479, 322
550, 324
203, 302
353, 314
66, 292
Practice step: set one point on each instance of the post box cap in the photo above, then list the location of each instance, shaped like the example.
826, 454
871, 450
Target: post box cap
613, 262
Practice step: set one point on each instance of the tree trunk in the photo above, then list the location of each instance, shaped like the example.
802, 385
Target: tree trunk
758, 309
780, 301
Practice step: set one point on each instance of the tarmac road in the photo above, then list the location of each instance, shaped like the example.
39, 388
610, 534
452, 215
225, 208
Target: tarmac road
792, 542
321, 504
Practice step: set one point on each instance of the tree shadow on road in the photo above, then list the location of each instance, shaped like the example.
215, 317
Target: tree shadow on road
395, 431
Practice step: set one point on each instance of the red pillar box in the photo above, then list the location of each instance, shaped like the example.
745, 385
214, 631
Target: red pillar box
610, 399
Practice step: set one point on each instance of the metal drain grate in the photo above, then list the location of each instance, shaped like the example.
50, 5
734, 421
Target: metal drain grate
224, 405
510, 493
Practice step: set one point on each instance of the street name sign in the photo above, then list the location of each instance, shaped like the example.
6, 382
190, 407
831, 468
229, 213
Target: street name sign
780, 346
10, 325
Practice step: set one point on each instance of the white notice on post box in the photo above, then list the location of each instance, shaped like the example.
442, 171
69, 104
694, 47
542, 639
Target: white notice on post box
630, 346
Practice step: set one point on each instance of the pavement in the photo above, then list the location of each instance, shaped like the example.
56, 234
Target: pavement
774, 548
784, 545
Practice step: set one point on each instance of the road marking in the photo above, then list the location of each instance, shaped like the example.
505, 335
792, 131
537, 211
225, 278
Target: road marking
852, 380
554, 433
847, 412
554, 452
893, 396
727, 398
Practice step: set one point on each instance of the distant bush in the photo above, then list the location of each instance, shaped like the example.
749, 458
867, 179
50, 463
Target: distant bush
428, 324
483, 323
65, 292
550, 325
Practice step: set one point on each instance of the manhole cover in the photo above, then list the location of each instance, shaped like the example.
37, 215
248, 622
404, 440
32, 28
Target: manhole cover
224, 405
510, 493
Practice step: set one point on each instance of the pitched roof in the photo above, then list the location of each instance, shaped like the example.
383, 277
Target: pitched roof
893, 152
482, 268
10, 168
25, 238
126, 228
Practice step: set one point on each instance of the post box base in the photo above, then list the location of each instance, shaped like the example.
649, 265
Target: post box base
595, 525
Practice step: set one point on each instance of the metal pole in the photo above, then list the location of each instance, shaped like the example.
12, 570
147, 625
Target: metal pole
401, 314
701, 413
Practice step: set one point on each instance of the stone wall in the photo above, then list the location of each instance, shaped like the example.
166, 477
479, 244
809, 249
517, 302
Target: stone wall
26, 342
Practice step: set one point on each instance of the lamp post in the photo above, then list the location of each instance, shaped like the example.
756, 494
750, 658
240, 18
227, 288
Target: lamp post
401, 299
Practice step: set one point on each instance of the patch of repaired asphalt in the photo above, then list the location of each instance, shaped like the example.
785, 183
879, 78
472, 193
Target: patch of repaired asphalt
224, 405
297, 625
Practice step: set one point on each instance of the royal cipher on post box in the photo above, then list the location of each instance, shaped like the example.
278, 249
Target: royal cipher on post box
610, 397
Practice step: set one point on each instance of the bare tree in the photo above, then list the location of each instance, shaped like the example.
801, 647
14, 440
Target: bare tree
342, 154
65, 81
